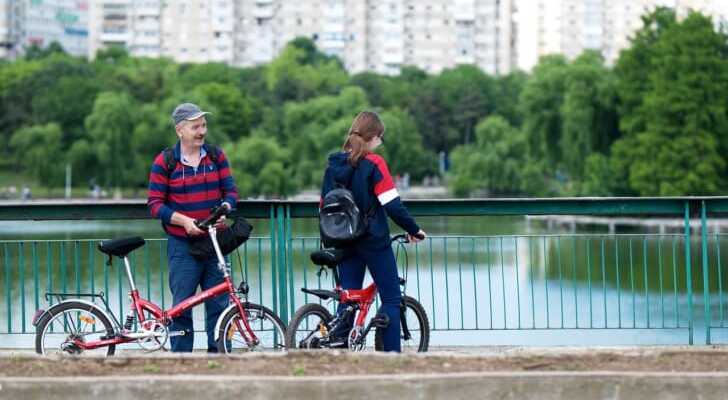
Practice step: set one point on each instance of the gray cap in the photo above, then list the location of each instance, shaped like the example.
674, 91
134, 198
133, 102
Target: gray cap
187, 112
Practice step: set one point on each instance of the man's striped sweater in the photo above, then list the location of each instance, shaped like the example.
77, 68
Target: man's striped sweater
187, 190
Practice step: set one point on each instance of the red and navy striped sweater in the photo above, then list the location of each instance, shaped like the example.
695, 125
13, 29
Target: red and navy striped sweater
188, 191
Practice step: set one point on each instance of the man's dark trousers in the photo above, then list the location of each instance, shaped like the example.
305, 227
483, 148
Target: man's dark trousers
186, 274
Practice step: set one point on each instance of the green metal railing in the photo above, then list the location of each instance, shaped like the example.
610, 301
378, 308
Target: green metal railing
537, 282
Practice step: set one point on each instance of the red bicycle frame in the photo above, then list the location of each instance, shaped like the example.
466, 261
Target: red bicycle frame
363, 297
139, 305
164, 317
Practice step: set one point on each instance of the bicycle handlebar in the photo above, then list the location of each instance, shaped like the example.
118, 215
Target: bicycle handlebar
403, 238
216, 213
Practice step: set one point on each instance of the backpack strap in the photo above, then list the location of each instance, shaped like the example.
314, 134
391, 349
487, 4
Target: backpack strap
169, 161
214, 153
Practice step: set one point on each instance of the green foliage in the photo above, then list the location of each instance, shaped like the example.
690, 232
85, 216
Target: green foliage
588, 113
35, 52
110, 126
676, 140
655, 124
231, 110
315, 128
448, 106
494, 164
38, 148
260, 166
541, 102
300, 73
598, 177
403, 148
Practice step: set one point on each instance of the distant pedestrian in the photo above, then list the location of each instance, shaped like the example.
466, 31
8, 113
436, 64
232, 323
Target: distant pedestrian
25, 194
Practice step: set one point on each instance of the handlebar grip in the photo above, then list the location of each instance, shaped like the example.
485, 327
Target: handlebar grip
419, 236
399, 237
217, 212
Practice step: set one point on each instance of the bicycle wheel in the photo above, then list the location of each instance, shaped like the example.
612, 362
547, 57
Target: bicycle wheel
417, 325
265, 324
69, 321
304, 330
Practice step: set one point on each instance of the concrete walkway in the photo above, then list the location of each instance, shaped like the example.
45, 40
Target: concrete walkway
544, 385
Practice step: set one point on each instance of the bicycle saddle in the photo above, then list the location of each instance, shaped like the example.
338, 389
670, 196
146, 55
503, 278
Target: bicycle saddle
328, 257
121, 247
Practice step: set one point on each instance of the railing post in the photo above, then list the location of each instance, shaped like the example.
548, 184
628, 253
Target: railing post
281, 252
273, 264
688, 272
706, 283
289, 262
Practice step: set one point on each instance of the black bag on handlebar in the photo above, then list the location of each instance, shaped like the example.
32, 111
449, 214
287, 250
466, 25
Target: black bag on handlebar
229, 239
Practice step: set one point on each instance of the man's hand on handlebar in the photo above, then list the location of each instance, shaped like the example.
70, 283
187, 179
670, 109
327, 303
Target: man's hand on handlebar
417, 237
191, 228
221, 221
217, 216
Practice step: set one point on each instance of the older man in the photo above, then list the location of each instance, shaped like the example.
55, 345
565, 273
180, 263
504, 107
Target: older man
186, 181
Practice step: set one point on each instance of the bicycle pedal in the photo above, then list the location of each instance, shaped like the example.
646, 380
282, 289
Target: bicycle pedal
339, 345
177, 333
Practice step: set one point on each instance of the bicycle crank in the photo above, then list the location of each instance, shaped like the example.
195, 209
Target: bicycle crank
356, 340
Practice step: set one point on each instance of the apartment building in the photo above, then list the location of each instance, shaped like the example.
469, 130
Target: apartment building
569, 27
383, 36
25, 23
374, 35
186, 30
8, 30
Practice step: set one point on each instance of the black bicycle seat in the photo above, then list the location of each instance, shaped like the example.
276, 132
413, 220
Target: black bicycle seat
328, 257
121, 247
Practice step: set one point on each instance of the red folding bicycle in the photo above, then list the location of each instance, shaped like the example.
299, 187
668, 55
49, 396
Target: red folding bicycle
312, 324
76, 326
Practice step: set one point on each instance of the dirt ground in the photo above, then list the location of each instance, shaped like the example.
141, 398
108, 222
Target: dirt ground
325, 363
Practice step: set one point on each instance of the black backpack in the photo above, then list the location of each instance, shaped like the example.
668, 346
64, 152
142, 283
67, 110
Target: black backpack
340, 221
170, 162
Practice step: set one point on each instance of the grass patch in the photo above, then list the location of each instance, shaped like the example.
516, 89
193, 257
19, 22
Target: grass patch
299, 370
151, 368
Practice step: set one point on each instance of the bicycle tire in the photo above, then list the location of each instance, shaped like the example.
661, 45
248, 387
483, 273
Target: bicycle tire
414, 314
267, 326
47, 320
306, 310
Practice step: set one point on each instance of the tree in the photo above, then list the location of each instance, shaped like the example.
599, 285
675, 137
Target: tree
38, 148
300, 73
633, 68
680, 129
231, 110
541, 102
403, 148
588, 113
44, 90
493, 163
507, 90
448, 106
314, 128
110, 126
34, 52
260, 166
